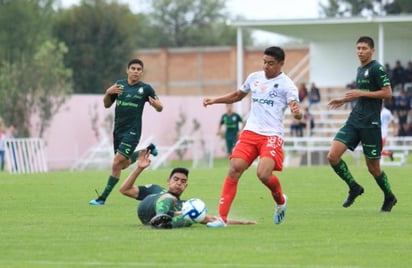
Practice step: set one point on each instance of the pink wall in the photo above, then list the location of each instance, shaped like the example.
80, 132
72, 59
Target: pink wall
71, 134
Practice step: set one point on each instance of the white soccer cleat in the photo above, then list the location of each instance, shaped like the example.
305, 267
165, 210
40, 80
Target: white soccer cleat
280, 211
217, 223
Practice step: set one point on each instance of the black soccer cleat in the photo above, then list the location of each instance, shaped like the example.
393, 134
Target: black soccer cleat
388, 203
161, 221
353, 193
153, 149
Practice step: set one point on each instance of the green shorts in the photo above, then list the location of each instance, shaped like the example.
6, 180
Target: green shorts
126, 144
370, 138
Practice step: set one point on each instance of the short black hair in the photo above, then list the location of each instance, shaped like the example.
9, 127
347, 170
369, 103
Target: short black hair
179, 170
366, 39
275, 52
135, 61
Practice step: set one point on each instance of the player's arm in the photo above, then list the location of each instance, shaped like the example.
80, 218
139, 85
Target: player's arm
109, 97
231, 97
383, 93
294, 107
128, 188
156, 103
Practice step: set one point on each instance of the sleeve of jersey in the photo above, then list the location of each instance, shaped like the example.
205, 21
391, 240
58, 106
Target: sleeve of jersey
382, 77
292, 93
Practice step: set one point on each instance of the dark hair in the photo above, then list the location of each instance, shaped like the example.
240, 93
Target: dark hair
135, 61
275, 52
179, 170
366, 39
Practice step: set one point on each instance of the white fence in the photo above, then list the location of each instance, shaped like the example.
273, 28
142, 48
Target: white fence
25, 155
301, 151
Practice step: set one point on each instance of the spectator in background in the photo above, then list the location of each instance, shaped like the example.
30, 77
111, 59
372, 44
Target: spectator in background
403, 104
231, 120
2, 149
405, 130
388, 70
302, 92
308, 122
296, 129
408, 73
350, 86
314, 94
398, 76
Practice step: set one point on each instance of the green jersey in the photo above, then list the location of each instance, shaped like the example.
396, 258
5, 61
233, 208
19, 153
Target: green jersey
366, 113
129, 107
232, 123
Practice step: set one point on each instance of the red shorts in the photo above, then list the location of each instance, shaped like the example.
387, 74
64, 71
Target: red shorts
251, 145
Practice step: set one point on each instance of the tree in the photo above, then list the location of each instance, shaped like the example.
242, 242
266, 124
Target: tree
37, 88
27, 63
101, 38
192, 23
346, 8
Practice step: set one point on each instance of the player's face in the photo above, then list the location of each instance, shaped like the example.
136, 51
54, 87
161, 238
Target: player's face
177, 183
364, 53
271, 66
133, 72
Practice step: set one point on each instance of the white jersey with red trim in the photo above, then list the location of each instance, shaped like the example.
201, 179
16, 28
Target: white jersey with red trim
269, 99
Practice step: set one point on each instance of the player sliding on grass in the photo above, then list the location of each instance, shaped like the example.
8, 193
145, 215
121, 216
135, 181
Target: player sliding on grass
161, 208
363, 125
272, 92
130, 95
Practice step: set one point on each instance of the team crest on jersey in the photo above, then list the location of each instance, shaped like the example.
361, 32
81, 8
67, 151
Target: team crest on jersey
140, 90
366, 74
273, 94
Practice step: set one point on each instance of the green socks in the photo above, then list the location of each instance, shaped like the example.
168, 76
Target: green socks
111, 182
383, 183
343, 172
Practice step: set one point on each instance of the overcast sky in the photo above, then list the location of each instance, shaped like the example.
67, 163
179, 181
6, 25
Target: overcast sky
250, 9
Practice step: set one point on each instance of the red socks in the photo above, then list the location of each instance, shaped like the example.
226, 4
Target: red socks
274, 186
227, 196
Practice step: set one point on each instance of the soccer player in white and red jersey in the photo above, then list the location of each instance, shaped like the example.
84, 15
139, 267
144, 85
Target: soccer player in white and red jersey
272, 92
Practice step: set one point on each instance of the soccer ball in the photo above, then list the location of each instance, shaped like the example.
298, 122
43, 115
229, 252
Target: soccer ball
194, 210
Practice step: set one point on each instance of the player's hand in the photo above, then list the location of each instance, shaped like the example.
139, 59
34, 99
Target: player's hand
155, 102
335, 103
207, 101
115, 89
143, 161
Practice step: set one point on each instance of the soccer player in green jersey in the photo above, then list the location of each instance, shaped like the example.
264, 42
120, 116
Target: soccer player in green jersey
231, 120
161, 207
363, 125
130, 96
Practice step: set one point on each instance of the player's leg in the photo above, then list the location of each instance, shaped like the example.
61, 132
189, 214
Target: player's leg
344, 139
372, 148
243, 155
271, 158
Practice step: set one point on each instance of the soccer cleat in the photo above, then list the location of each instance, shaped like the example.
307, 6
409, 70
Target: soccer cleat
153, 149
97, 202
161, 221
353, 193
218, 223
280, 211
388, 203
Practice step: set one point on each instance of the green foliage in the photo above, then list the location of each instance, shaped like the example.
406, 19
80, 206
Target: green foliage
40, 87
46, 222
32, 75
345, 8
192, 23
101, 40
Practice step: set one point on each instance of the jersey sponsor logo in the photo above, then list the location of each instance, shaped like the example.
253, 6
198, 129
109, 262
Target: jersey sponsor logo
263, 101
273, 94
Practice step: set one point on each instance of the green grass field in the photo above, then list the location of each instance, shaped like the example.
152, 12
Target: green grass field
46, 221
